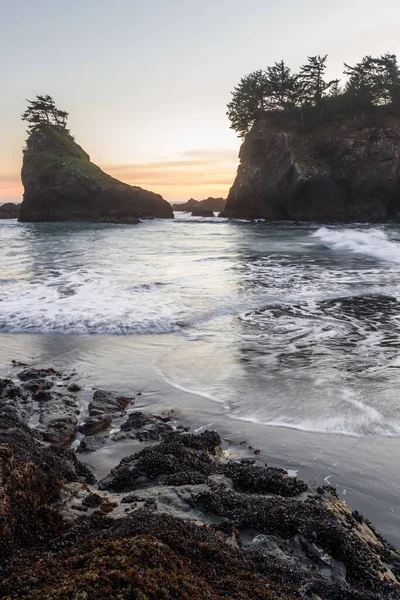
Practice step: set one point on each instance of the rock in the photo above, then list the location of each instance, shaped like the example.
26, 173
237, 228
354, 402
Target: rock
202, 526
29, 374
202, 213
9, 210
74, 387
174, 455
61, 184
92, 500
92, 443
189, 459
95, 424
31, 480
14, 401
343, 171
210, 204
107, 403
145, 428
37, 386
55, 411
59, 430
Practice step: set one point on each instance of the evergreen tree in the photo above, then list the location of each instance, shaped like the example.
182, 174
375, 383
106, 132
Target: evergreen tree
373, 82
249, 100
361, 86
43, 111
312, 76
387, 79
284, 89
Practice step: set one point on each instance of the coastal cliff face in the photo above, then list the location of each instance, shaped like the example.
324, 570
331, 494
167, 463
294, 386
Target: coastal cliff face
347, 171
61, 184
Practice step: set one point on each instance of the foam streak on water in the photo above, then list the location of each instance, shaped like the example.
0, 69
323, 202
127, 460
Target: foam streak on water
291, 326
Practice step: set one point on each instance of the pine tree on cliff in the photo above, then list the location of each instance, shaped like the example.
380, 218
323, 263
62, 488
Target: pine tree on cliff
374, 81
312, 77
248, 101
43, 111
275, 89
284, 89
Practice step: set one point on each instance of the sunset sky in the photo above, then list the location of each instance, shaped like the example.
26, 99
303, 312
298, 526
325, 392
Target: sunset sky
146, 82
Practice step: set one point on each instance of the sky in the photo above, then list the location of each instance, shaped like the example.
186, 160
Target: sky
146, 82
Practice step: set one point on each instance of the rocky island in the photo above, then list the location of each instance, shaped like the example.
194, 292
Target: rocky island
318, 150
62, 184
344, 171
181, 517
209, 204
9, 210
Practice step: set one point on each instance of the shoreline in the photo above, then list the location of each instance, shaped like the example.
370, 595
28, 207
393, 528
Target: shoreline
300, 539
352, 465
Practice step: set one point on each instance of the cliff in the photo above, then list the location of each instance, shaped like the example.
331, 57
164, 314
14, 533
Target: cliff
61, 184
213, 204
346, 171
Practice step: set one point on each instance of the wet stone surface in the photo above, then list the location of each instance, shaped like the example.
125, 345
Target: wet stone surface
176, 519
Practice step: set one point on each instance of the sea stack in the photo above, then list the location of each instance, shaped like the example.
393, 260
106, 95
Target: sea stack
62, 184
345, 170
213, 204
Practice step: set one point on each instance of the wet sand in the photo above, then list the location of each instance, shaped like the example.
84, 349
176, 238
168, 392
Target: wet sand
364, 470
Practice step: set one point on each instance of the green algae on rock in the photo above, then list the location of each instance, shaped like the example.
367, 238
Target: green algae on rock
62, 184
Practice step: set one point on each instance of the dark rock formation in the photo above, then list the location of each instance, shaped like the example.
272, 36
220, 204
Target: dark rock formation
52, 407
95, 424
211, 204
346, 171
92, 443
202, 213
145, 428
61, 184
107, 403
9, 210
201, 526
191, 459
31, 480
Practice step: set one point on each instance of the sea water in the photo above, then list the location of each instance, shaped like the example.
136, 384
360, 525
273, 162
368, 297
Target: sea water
286, 333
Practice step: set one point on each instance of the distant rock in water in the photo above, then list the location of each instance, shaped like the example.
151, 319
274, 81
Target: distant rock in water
210, 204
61, 184
342, 171
9, 210
202, 213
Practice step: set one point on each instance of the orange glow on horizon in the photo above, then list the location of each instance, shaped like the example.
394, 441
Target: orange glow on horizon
200, 175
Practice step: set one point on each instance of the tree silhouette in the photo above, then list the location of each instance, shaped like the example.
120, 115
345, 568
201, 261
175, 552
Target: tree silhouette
284, 89
312, 77
43, 111
308, 98
249, 101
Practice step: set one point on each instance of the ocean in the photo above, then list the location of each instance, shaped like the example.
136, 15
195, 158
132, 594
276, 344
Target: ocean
283, 336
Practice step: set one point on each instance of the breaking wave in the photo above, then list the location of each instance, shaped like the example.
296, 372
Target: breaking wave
372, 242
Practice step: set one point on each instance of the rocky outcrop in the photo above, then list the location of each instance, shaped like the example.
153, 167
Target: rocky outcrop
61, 184
9, 210
175, 520
211, 204
346, 171
32, 476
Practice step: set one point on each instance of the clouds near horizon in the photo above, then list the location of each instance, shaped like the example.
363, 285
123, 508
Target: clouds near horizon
146, 81
195, 172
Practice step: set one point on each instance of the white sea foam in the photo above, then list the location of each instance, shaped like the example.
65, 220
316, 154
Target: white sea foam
87, 303
372, 242
282, 332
